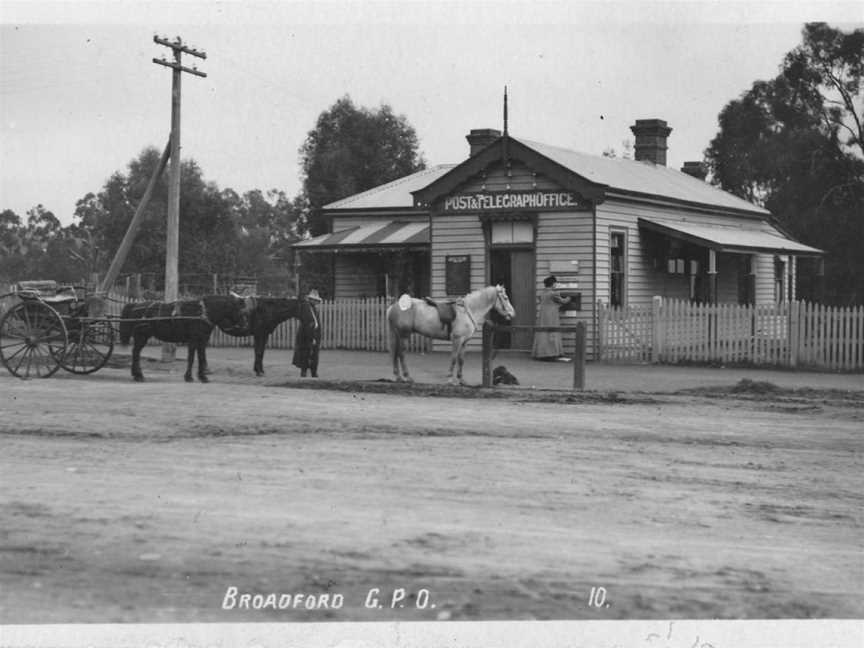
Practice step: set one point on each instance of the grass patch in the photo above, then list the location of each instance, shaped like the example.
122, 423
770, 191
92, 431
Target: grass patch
747, 386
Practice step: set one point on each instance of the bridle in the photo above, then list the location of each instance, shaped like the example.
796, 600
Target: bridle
500, 299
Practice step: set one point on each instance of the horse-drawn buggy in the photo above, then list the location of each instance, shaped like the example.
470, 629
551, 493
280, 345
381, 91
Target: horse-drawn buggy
48, 327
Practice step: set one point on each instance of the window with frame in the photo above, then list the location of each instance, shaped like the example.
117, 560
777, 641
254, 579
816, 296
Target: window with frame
512, 232
617, 268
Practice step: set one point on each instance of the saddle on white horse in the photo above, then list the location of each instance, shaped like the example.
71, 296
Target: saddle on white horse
445, 308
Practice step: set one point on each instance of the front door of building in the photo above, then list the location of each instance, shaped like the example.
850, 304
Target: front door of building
514, 269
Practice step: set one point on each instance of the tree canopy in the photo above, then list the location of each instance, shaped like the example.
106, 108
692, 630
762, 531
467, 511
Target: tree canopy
793, 144
351, 150
221, 232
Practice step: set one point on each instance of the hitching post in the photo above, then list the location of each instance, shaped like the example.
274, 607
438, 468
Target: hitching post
579, 358
487, 353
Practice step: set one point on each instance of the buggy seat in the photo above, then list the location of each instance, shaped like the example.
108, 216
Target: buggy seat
47, 291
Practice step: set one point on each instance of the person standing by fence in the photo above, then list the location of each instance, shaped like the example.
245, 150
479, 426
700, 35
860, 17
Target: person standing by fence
307, 342
547, 344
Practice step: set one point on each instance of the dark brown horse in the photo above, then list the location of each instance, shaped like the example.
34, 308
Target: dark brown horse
187, 322
265, 314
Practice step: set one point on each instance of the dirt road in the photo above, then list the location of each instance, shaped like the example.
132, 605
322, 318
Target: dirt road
151, 502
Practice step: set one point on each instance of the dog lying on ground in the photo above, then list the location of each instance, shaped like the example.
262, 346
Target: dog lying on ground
500, 376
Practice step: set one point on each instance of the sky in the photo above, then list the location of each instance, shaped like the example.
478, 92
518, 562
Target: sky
80, 96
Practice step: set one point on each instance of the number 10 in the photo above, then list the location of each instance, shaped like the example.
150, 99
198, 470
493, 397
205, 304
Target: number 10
597, 598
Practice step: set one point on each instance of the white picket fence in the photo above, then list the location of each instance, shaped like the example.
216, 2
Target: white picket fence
349, 324
796, 334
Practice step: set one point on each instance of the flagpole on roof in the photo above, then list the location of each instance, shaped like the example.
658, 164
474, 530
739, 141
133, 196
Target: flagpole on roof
505, 110
506, 136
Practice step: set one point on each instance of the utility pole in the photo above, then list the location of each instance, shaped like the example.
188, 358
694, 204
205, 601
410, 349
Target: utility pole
173, 226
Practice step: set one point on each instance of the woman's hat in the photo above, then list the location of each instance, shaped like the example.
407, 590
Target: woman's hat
313, 295
549, 281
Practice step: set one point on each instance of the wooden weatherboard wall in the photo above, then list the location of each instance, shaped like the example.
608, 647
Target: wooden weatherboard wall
462, 237
499, 177
562, 238
645, 279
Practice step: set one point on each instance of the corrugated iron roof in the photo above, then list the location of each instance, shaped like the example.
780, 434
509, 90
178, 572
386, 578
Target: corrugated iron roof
642, 177
393, 194
373, 235
627, 176
737, 236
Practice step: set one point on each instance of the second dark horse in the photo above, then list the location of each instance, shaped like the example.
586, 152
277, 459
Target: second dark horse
265, 314
187, 322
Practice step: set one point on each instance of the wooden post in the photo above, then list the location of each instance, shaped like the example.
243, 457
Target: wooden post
794, 333
579, 358
173, 226
600, 331
820, 280
172, 242
656, 341
752, 279
488, 329
132, 230
712, 276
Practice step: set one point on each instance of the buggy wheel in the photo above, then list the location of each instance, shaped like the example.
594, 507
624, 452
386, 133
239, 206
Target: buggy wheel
32, 340
89, 348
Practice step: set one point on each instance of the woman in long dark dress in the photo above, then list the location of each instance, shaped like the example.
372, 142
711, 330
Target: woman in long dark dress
307, 342
548, 345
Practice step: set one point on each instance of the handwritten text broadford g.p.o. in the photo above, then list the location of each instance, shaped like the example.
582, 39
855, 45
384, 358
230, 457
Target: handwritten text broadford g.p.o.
397, 598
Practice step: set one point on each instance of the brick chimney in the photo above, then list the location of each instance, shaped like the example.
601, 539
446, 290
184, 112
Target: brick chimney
651, 137
695, 169
480, 138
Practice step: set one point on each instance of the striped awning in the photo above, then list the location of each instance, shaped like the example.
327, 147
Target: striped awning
385, 234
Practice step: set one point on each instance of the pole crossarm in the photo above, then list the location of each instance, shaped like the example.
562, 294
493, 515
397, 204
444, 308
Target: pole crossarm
177, 44
177, 66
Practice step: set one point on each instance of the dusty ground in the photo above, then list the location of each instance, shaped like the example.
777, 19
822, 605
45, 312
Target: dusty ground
127, 502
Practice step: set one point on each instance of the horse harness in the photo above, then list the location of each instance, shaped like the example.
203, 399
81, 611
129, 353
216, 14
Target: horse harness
461, 302
204, 313
176, 312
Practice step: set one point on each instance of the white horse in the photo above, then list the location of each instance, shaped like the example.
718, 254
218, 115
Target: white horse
410, 315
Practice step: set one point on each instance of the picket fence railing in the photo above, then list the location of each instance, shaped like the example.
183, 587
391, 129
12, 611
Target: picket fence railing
795, 335
349, 324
